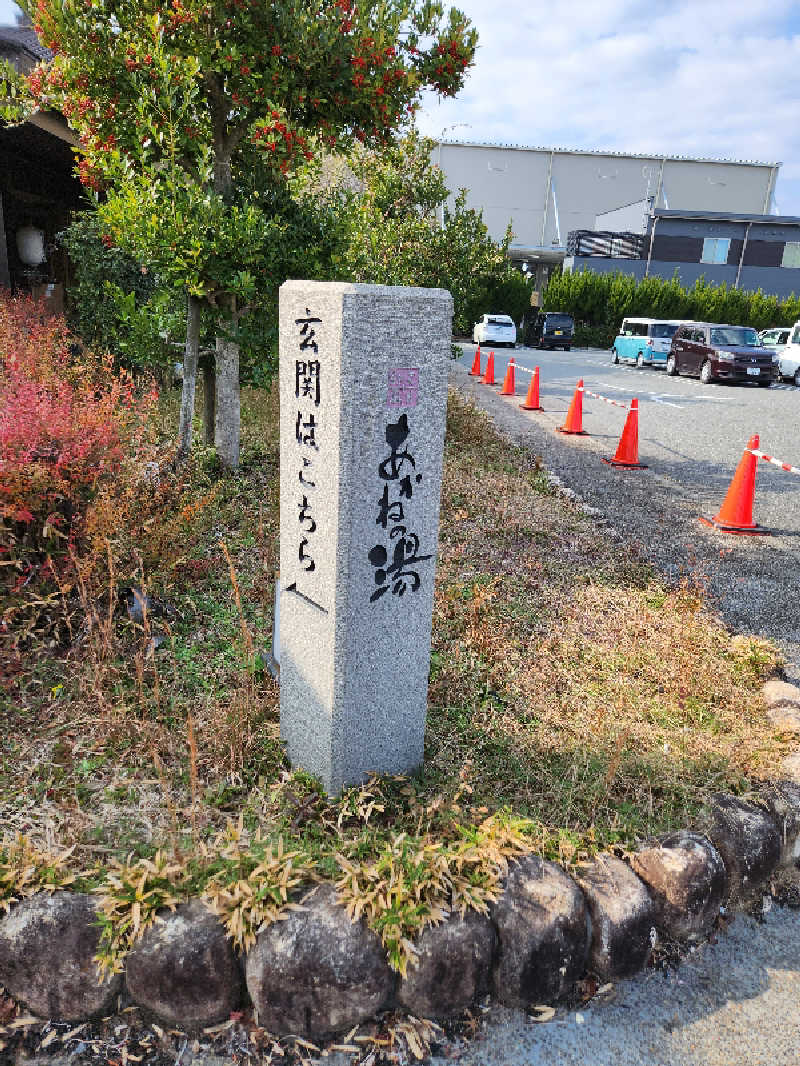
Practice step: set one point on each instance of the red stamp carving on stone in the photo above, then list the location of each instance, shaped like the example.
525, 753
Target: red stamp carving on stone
403, 388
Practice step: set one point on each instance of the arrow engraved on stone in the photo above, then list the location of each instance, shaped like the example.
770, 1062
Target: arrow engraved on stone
293, 588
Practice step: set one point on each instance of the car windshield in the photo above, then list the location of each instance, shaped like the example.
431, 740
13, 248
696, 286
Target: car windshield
556, 321
735, 335
772, 340
500, 320
663, 329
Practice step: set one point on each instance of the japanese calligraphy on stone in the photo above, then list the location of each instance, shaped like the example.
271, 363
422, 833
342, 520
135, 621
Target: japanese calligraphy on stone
308, 394
396, 558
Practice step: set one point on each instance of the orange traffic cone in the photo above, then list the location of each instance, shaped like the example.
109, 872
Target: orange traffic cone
574, 422
476, 364
628, 447
488, 377
736, 513
509, 387
532, 398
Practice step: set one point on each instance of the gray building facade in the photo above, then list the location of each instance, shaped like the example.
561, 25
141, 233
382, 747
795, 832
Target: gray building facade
544, 193
745, 251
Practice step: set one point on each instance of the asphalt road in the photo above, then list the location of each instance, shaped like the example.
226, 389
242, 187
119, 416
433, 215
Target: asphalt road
691, 433
692, 437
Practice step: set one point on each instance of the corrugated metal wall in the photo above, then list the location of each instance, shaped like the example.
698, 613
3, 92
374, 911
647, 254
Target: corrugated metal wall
546, 193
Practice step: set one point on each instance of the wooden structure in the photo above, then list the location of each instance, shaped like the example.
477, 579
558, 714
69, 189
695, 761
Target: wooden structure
37, 182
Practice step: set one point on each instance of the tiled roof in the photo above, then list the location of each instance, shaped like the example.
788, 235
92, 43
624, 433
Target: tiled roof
23, 39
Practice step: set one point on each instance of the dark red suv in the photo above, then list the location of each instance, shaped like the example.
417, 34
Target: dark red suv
726, 353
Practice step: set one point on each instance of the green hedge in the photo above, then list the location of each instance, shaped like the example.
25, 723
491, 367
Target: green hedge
599, 302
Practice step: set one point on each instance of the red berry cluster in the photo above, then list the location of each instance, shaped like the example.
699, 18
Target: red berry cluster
87, 174
178, 16
281, 142
453, 56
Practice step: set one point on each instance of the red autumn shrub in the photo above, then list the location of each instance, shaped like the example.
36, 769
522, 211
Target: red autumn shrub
68, 420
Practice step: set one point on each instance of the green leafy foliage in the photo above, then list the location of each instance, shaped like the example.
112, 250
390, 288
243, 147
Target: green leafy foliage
599, 302
16, 104
396, 228
414, 882
24, 869
116, 303
186, 113
178, 109
251, 881
130, 897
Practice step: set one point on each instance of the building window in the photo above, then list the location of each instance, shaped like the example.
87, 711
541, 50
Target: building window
715, 250
791, 254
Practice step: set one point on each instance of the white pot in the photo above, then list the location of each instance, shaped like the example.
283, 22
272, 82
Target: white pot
30, 245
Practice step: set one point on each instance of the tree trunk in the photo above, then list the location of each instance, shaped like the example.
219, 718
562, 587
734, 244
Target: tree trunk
226, 419
226, 425
189, 376
209, 403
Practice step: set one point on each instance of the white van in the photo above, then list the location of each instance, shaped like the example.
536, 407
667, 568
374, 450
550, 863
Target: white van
789, 357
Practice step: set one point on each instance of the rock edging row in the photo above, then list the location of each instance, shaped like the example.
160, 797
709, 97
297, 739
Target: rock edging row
316, 974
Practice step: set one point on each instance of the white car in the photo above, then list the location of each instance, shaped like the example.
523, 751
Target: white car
789, 357
775, 337
495, 329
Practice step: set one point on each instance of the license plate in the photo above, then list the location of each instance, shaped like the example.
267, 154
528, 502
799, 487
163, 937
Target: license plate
754, 370
559, 332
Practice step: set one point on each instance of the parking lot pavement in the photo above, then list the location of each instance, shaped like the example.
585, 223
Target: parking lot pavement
733, 1003
691, 436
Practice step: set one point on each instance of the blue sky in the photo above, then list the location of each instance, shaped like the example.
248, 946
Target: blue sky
718, 78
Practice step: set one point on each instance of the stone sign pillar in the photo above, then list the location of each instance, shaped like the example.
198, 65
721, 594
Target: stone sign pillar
363, 393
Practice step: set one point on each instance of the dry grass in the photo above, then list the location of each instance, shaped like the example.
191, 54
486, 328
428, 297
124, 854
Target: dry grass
115, 745
585, 693
567, 683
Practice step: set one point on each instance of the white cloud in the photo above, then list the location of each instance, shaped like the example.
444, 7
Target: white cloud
718, 78
8, 13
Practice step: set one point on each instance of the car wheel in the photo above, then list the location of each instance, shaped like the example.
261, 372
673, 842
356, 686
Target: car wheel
796, 378
640, 359
764, 384
567, 348
614, 356
706, 375
672, 366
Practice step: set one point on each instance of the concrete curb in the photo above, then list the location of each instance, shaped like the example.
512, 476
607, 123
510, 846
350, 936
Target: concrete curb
331, 975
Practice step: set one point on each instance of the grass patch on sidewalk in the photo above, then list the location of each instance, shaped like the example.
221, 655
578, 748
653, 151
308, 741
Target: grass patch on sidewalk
575, 701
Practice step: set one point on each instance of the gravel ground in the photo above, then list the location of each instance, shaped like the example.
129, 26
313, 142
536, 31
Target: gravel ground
733, 1003
753, 583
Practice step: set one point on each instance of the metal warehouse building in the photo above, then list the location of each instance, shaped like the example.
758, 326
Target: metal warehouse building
545, 193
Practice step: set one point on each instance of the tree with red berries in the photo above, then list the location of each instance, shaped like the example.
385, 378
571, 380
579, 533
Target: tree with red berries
193, 116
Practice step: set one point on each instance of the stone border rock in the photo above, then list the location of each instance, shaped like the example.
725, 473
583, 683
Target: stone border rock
317, 975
